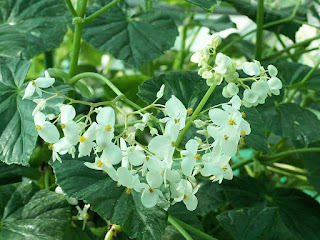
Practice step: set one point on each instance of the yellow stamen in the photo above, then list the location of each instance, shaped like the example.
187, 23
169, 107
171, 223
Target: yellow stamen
150, 190
128, 191
81, 139
224, 168
86, 215
225, 137
37, 127
173, 144
197, 157
99, 164
242, 133
243, 115
63, 126
175, 120
107, 127
50, 146
189, 111
185, 196
33, 82
231, 121
147, 158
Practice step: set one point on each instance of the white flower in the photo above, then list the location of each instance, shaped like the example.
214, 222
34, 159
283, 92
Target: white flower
232, 88
129, 181
68, 126
105, 126
151, 194
235, 101
35, 85
111, 154
250, 96
251, 68
190, 157
46, 130
83, 214
86, 140
275, 85
261, 87
187, 195
176, 111
161, 91
41, 104
273, 71
106, 167
224, 64
60, 147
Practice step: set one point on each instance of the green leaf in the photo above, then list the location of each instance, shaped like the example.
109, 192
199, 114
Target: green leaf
257, 139
26, 212
17, 134
218, 24
136, 39
11, 173
205, 4
298, 211
31, 27
76, 233
254, 223
287, 29
108, 200
292, 121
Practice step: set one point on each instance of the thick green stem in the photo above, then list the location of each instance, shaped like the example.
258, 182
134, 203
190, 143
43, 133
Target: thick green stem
47, 178
241, 163
179, 63
97, 76
183, 232
194, 115
193, 230
100, 11
299, 44
75, 49
71, 8
259, 34
293, 151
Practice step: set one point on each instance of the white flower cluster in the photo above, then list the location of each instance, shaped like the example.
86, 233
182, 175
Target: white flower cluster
224, 67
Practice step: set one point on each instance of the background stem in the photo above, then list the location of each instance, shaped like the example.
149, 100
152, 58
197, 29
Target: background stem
259, 34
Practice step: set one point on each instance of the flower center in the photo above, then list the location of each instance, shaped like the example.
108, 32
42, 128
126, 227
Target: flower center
242, 133
173, 144
38, 127
231, 121
175, 120
150, 190
197, 157
225, 137
50, 146
185, 196
99, 164
243, 115
33, 82
81, 139
224, 168
86, 215
147, 158
189, 111
63, 126
128, 191
107, 128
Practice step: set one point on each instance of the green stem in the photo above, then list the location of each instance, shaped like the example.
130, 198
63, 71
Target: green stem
97, 76
47, 178
173, 221
180, 60
71, 9
259, 35
193, 39
241, 163
293, 151
303, 81
303, 178
192, 229
194, 115
283, 45
100, 11
307, 41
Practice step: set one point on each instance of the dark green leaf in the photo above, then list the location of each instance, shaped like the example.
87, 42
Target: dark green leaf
31, 27
299, 212
28, 213
257, 139
135, 39
11, 173
254, 223
76, 233
205, 4
17, 134
218, 24
287, 29
292, 121
108, 200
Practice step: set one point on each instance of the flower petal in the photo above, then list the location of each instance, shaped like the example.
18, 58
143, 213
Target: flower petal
67, 113
106, 116
149, 199
49, 133
29, 90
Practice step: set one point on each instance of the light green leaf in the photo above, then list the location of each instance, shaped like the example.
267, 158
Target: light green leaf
287, 29
205, 4
108, 200
136, 39
218, 24
292, 121
31, 27
28, 213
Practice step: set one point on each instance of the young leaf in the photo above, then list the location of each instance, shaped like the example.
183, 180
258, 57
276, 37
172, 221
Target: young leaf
26, 212
108, 200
